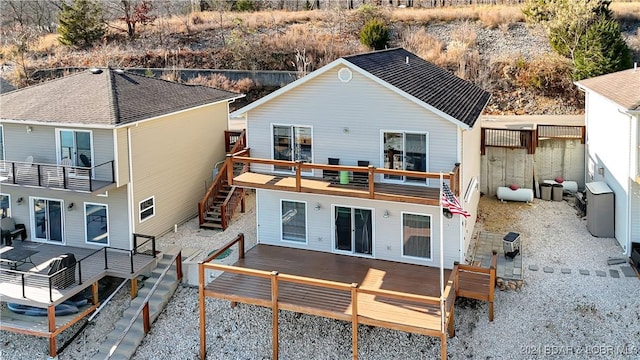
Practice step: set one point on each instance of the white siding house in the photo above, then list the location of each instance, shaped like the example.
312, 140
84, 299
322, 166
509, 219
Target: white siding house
612, 113
388, 109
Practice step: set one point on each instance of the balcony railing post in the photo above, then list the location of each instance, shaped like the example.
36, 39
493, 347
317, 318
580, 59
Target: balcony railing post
298, 175
39, 175
90, 178
64, 177
131, 260
113, 171
13, 171
153, 246
50, 289
79, 272
24, 294
241, 246
135, 242
106, 266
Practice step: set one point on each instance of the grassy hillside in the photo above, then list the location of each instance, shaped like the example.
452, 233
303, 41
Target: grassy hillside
489, 45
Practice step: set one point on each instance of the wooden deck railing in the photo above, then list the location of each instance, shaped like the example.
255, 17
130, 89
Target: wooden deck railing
369, 173
475, 282
76, 178
352, 288
236, 196
144, 307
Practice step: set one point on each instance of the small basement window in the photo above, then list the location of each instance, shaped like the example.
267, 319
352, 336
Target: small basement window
147, 208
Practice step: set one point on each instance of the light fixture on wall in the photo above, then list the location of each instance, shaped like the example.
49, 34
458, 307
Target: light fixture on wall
345, 130
70, 206
447, 213
317, 207
29, 129
19, 200
385, 214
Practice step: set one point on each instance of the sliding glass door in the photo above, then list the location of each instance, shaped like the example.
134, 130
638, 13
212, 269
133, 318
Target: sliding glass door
292, 143
47, 220
404, 151
353, 230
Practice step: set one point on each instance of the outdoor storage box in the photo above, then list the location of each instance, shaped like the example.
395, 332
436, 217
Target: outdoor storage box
600, 209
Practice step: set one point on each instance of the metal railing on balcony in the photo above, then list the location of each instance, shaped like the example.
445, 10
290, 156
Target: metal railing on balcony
76, 178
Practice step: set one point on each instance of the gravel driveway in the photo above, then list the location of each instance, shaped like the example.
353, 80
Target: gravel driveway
554, 315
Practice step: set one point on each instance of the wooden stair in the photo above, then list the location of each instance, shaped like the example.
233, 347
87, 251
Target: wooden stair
213, 215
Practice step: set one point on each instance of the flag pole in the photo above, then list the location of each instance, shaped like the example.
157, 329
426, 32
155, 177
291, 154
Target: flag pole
441, 215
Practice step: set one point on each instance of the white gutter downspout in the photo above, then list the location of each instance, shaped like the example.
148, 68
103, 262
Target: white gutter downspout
130, 189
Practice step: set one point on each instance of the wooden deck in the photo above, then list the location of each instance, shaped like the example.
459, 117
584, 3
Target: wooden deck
362, 180
369, 274
383, 191
91, 269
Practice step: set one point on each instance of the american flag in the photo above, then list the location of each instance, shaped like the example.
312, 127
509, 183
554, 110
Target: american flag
449, 201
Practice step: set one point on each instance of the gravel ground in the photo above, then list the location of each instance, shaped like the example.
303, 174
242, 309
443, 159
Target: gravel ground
568, 316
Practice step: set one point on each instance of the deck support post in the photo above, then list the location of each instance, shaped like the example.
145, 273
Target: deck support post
94, 291
145, 318
443, 346
354, 319
203, 330
452, 328
134, 287
274, 311
234, 304
51, 315
492, 282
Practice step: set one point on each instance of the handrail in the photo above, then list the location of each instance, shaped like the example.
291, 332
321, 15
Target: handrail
144, 307
216, 186
297, 166
239, 239
48, 277
57, 176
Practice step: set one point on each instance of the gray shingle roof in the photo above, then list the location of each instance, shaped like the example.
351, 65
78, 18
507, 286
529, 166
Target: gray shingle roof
622, 87
110, 97
5, 86
426, 82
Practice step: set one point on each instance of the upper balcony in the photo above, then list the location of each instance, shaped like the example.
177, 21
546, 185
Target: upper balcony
350, 181
59, 177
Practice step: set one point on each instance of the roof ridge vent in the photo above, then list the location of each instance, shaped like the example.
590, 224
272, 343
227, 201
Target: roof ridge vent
406, 60
118, 71
95, 71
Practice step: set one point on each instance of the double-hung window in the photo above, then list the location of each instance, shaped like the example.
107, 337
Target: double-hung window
416, 236
292, 143
147, 208
294, 221
96, 223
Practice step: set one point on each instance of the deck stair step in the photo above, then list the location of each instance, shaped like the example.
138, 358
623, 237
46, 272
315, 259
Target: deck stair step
213, 218
157, 302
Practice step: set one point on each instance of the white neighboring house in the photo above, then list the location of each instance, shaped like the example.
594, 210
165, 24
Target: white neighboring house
391, 110
612, 106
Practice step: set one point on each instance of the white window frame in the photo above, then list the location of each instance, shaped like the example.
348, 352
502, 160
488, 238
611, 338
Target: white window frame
59, 151
86, 230
306, 223
402, 214
373, 232
291, 126
404, 133
2, 145
140, 211
9, 200
32, 220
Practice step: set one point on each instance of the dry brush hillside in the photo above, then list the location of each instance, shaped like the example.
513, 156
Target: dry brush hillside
489, 45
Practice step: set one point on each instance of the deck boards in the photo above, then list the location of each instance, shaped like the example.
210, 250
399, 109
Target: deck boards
383, 191
368, 273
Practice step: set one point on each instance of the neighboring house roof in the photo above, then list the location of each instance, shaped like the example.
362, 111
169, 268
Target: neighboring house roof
622, 87
5, 86
105, 97
420, 81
